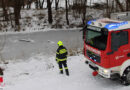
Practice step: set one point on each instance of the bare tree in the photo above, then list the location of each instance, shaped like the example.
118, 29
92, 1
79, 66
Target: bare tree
17, 9
66, 5
4, 6
120, 5
23, 3
28, 4
36, 4
107, 7
84, 3
51, 1
127, 5
50, 20
56, 4
113, 6
41, 4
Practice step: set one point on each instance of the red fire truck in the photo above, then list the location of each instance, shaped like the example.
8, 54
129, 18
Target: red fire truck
107, 48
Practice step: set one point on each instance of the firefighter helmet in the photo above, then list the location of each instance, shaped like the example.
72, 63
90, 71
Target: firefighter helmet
60, 43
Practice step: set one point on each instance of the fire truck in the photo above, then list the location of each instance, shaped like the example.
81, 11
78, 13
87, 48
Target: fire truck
107, 48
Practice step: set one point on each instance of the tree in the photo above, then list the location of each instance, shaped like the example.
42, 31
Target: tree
66, 5
120, 5
17, 9
50, 20
4, 6
41, 4
56, 4
127, 5
84, 2
28, 4
36, 4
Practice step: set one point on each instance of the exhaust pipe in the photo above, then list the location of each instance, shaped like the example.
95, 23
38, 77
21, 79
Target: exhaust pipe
95, 73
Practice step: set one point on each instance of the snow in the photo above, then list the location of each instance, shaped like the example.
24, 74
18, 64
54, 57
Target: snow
41, 73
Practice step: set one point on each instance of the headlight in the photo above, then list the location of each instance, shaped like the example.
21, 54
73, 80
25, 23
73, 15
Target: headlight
106, 71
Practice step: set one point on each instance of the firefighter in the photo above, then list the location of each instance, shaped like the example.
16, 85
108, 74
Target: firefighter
61, 58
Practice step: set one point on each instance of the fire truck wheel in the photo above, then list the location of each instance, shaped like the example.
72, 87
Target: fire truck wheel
125, 79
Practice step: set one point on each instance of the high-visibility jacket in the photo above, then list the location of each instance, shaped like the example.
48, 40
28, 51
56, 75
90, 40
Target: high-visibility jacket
61, 54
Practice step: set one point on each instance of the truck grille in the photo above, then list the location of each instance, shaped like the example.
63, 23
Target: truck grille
93, 56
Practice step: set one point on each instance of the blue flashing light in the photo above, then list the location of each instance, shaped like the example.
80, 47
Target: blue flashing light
95, 60
90, 57
89, 22
115, 25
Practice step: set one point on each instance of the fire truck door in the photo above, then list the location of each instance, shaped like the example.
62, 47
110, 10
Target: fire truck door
119, 45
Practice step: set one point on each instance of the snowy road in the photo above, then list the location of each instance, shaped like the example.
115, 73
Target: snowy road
41, 42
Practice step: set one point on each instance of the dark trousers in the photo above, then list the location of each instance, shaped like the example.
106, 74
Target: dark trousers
61, 64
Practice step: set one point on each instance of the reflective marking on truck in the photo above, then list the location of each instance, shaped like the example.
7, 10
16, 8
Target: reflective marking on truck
126, 50
93, 50
118, 57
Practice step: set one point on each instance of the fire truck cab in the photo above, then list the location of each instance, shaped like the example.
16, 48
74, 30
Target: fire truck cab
107, 48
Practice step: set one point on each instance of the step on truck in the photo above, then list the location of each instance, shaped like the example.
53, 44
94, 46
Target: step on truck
107, 48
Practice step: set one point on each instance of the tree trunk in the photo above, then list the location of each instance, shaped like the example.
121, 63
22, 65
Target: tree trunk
4, 6
36, 4
84, 12
28, 4
22, 2
66, 5
17, 9
113, 6
51, 2
50, 20
120, 5
42, 3
56, 4
107, 11
127, 5
11, 18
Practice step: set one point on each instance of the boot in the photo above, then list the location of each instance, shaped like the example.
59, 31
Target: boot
67, 72
61, 72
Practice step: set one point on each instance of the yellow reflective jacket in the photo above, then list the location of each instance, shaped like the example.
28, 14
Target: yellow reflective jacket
61, 54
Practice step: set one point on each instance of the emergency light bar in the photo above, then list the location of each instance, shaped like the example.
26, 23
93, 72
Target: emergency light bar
107, 23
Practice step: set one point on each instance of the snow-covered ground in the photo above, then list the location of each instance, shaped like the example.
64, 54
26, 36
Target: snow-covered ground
41, 73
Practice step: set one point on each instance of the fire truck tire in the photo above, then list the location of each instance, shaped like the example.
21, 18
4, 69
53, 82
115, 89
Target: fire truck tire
125, 79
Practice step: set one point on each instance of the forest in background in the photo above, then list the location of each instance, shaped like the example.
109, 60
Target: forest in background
10, 12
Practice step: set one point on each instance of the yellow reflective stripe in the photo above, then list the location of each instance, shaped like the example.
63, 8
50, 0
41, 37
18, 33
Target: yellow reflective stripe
61, 69
66, 67
57, 53
57, 61
62, 59
62, 51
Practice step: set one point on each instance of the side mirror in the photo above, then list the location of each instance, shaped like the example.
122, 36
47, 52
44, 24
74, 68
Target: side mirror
104, 31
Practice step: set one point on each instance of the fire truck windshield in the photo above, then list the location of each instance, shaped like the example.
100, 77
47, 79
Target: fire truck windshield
96, 39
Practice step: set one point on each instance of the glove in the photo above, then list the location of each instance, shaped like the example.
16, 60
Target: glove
57, 61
